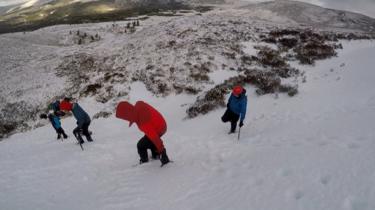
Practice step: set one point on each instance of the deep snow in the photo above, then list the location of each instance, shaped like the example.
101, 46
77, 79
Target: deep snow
314, 151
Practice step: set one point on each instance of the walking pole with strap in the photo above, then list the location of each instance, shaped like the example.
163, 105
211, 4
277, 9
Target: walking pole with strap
239, 133
80, 144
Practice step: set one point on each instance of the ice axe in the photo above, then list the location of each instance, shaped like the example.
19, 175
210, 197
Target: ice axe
239, 133
79, 142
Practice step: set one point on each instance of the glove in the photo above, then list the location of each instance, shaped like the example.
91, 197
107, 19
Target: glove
241, 123
60, 113
43, 116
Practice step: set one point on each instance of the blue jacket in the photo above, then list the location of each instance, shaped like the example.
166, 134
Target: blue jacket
81, 116
55, 121
238, 104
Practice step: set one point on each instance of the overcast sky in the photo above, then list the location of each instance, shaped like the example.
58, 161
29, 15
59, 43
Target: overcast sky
366, 7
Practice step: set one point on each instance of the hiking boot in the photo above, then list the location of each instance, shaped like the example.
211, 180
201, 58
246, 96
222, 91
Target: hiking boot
164, 157
142, 161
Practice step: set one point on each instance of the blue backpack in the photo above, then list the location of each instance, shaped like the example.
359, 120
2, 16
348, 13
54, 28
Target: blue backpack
55, 106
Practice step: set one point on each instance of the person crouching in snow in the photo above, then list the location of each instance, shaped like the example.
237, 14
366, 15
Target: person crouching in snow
236, 108
83, 119
151, 123
54, 118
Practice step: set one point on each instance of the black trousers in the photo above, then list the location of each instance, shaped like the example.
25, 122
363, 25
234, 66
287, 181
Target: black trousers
60, 131
231, 117
85, 131
143, 145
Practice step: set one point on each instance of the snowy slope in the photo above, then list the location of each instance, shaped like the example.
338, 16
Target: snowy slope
313, 152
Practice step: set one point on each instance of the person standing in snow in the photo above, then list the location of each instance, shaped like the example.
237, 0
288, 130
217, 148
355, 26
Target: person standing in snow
54, 118
236, 108
83, 119
151, 123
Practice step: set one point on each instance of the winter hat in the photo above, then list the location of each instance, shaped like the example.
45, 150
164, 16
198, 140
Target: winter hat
66, 105
237, 90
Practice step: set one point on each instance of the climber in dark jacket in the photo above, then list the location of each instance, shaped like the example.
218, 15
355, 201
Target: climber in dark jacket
236, 108
54, 118
83, 119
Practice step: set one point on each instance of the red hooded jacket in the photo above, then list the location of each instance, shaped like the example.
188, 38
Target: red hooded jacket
147, 118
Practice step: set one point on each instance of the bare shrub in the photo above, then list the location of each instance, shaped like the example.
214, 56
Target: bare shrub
314, 50
266, 82
286, 72
288, 42
14, 116
284, 32
91, 89
248, 60
270, 57
270, 40
102, 114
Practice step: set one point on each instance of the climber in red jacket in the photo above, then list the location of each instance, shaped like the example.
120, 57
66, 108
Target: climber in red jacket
151, 123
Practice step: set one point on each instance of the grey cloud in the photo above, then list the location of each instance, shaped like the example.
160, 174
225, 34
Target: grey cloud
366, 7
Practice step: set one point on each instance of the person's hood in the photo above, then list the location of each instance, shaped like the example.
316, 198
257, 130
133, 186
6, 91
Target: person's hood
126, 111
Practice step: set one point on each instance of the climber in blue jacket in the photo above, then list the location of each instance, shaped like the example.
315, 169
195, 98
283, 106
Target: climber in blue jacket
236, 108
54, 118
83, 119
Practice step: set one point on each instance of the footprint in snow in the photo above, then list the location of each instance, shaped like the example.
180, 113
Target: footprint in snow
325, 180
296, 144
371, 102
353, 146
295, 194
284, 172
323, 143
361, 138
298, 195
259, 182
352, 203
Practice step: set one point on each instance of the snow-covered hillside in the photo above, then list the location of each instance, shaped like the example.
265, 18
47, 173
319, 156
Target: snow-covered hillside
314, 151
168, 54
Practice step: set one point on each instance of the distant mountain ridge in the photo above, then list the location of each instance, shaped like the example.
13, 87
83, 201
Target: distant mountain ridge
56, 12
316, 16
43, 13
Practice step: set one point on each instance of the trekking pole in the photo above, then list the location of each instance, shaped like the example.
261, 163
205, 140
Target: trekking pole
79, 141
239, 133
81, 146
